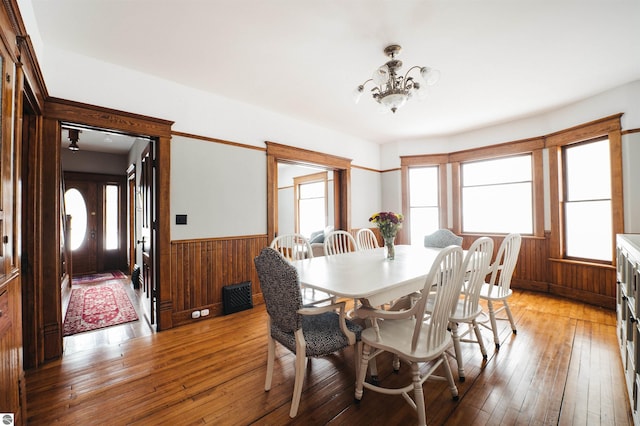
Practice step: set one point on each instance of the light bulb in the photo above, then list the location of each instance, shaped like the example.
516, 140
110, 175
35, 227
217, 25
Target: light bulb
381, 75
430, 75
357, 93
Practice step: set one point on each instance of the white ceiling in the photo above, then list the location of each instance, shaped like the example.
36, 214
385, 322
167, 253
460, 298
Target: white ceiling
499, 60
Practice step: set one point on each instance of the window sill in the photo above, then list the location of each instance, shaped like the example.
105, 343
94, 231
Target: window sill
583, 263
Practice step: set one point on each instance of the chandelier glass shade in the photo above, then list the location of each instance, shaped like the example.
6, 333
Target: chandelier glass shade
391, 89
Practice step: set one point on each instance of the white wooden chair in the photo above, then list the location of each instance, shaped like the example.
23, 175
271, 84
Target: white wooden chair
296, 247
414, 341
305, 331
475, 268
337, 242
498, 289
292, 246
366, 239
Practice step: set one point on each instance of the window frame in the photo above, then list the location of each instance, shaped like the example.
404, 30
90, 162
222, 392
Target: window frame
533, 146
432, 160
608, 127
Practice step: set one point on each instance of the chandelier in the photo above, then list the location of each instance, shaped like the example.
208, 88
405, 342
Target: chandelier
392, 90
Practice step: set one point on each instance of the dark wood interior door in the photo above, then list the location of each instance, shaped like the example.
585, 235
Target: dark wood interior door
147, 238
84, 240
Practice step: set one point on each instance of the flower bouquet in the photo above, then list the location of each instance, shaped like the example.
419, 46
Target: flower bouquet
388, 223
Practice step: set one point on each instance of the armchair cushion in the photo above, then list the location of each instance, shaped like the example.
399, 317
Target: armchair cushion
317, 237
321, 333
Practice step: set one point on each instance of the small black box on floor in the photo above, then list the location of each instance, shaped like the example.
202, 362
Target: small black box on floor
236, 297
135, 277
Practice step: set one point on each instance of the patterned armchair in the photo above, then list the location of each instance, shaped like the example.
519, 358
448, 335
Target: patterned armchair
305, 331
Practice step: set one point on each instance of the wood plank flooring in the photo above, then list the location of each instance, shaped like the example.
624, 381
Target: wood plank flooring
563, 367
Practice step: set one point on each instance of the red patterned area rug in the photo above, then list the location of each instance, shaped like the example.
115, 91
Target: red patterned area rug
97, 307
94, 278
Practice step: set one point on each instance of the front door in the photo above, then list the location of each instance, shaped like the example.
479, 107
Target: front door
81, 203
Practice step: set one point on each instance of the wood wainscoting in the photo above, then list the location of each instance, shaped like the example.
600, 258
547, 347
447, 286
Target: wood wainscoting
201, 267
536, 270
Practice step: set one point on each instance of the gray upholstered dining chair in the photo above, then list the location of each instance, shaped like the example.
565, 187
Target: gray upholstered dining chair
305, 331
442, 238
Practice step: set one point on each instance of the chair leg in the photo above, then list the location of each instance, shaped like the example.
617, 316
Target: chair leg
513, 325
396, 364
366, 351
458, 351
300, 367
301, 363
447, 370
494, 324
476, 328
418, 394
271, 354
358, 356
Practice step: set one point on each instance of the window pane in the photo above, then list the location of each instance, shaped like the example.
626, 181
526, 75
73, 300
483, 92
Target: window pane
423, 186
111, 217
497, 195
498, 208
424, 221
588, 230
502, 170
311, 215
312, 190
423, 202
588, 171
77, 208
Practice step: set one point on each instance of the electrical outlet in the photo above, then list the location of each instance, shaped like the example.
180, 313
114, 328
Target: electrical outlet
195, 314
204, 312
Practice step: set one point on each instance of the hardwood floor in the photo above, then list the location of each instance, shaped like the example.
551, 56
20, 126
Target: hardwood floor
563, 367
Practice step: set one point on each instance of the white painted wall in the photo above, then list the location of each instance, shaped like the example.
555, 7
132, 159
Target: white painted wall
221, 188
622, 99
366, 193
631, 177
93, 162
205, 114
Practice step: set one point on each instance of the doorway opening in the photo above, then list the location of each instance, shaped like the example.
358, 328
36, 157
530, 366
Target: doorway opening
105, 224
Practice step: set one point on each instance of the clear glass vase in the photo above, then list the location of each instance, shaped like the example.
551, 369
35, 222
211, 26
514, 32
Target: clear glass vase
390, 247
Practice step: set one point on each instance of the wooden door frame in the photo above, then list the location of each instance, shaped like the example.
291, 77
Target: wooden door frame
56, 111
341, 180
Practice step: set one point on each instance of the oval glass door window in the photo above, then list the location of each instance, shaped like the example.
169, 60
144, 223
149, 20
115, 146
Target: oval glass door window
77, 208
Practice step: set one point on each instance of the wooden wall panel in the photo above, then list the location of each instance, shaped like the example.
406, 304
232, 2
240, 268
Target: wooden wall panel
592, 283
535, 270
200, 268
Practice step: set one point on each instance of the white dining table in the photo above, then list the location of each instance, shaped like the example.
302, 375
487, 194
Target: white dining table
367, 275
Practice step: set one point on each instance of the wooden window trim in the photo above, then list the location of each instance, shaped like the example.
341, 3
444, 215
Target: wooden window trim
609, 127
301, 180
531, 146
341, 182
438, 160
